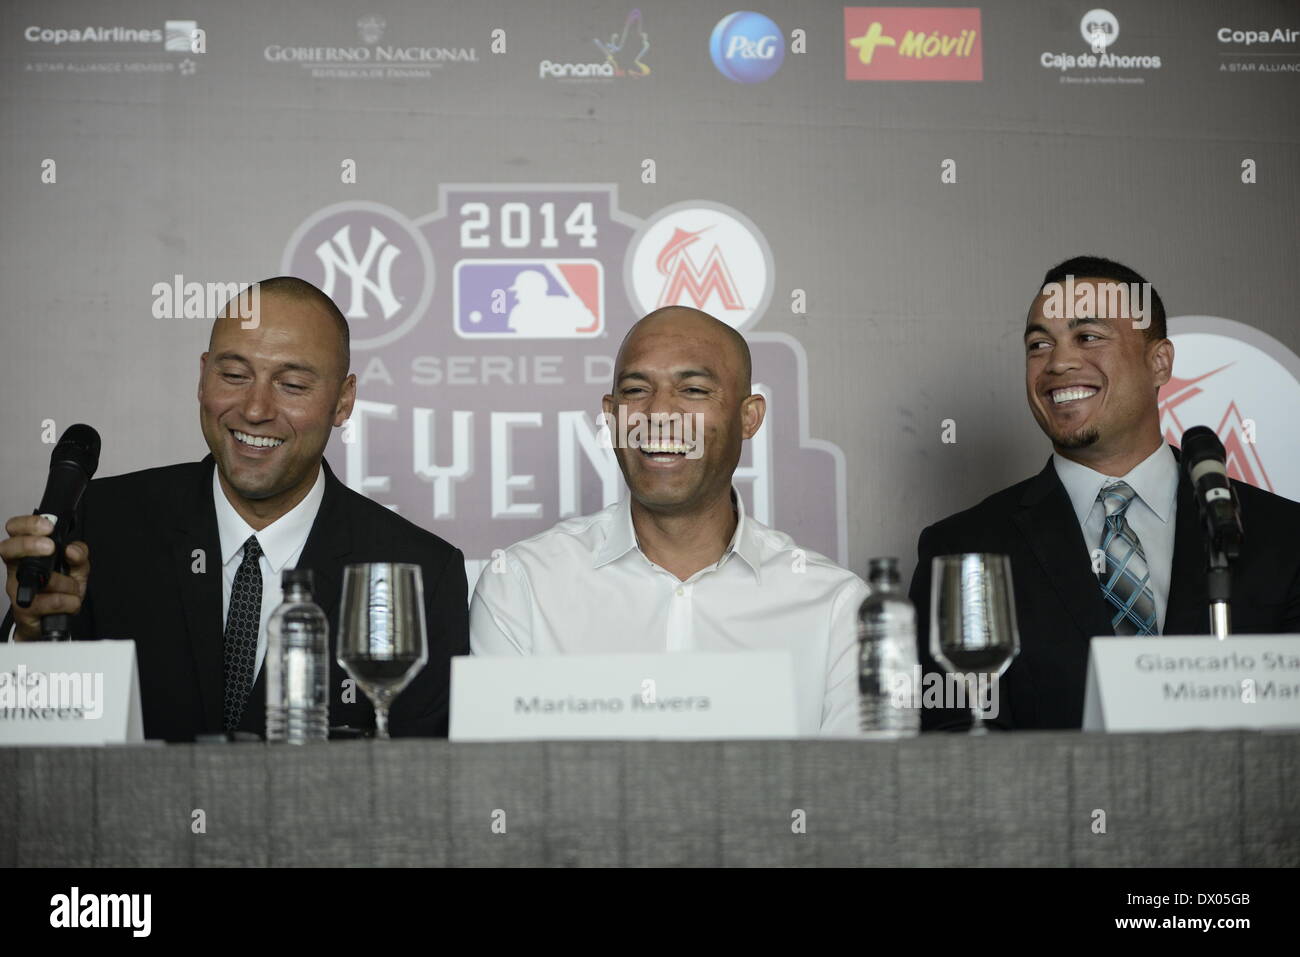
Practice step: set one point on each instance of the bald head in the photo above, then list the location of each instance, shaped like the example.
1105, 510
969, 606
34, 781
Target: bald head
683, 321
683, 362
302, 294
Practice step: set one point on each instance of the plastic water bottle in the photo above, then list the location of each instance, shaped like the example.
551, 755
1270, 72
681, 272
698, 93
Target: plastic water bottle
887, 665
297, 664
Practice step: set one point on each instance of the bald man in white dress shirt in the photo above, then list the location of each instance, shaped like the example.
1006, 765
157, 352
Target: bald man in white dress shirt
677, 565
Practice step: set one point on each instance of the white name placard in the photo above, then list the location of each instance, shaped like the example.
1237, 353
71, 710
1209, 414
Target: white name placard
69, 692
1180, 684
669, 696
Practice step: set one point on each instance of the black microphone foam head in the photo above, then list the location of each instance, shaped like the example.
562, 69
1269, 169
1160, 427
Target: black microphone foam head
78, 446
1200, 443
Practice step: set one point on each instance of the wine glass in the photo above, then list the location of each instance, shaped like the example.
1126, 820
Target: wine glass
382, 642
973, 621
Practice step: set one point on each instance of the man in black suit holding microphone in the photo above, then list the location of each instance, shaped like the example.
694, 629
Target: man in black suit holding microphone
187, 558
1106, 539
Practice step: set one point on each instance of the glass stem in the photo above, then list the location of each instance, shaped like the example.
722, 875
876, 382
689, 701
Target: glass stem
381, 722
976, 706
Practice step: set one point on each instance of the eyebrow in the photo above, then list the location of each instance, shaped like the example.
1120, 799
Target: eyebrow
702, 372
1072, 324
282, 367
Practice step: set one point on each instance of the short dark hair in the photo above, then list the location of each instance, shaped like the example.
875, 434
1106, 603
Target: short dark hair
1098, 267
291, 287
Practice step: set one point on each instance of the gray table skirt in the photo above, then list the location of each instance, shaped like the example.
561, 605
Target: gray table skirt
1025, 799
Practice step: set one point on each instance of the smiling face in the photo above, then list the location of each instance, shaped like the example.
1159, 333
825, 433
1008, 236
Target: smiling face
683, 362
1092, 381
268, 397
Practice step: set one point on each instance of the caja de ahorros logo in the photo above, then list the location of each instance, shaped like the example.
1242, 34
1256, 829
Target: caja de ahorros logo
1099, 29
484, 336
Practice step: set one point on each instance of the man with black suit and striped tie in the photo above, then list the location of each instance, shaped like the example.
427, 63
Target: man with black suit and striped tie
1106, 538
188, 558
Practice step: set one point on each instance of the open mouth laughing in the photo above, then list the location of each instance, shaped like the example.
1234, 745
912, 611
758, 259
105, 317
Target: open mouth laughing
665, 452
256, 443
1067, 395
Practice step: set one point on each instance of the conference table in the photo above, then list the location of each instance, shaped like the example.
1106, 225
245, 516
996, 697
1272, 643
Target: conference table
1040, 799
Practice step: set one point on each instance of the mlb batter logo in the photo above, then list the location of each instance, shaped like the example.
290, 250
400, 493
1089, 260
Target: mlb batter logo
529, 299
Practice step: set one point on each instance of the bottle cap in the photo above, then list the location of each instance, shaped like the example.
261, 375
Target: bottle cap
296, 576
884, 568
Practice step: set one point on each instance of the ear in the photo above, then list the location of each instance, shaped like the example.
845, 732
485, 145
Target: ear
203, 365
753, 409
347, 397
1160, 360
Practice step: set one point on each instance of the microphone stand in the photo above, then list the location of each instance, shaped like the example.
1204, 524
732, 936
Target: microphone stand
1219, 581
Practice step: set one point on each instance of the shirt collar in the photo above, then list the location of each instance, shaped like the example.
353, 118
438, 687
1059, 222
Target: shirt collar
1154, 480
280, 540
620, 536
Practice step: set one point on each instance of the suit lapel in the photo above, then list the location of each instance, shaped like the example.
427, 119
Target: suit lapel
1187, 612
330, 539
1049, 524
200, 592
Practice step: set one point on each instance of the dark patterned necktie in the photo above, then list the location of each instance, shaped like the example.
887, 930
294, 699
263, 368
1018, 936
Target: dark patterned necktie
242, 621
1127, 582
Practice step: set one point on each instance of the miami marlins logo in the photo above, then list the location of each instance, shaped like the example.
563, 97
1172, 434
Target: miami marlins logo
683, 278
1235, 430
703, 255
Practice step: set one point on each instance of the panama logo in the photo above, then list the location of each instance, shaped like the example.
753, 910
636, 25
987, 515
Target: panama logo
621, 55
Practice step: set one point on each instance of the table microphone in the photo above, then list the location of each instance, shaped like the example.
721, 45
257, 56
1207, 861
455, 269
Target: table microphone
1204, 462
72, 464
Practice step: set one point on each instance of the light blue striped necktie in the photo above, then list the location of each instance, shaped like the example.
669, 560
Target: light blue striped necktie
1126, 584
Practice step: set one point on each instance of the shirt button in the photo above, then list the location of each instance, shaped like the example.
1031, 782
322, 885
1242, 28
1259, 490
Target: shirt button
680, 591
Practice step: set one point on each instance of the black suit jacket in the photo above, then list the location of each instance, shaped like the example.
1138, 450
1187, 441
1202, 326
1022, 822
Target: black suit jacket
1059, 604
147, 530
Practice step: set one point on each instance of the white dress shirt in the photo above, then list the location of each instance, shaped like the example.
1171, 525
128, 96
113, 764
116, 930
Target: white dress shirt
282, 543
585, 587
1150, 514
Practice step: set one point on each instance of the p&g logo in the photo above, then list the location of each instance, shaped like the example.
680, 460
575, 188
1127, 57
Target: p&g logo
747, 47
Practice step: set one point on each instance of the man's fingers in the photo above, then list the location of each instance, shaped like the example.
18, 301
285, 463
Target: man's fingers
78, 566
64, 585
20, 546
28, 525
54, 603
78, 555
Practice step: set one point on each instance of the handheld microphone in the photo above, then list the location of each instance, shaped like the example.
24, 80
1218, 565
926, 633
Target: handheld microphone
1204, 462
72, 464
